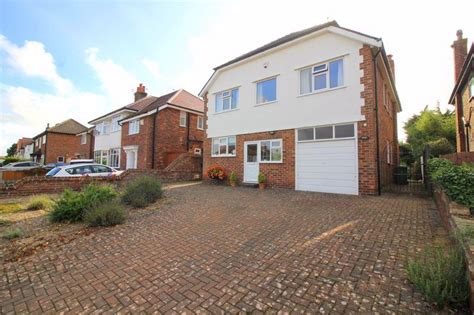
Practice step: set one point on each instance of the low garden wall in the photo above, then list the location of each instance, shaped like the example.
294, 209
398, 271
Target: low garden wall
448, 211
37, 185
460, 157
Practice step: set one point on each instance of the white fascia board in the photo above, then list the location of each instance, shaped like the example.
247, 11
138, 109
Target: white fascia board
98, 120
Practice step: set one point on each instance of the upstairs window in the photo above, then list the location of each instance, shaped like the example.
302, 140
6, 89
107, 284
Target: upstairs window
100, 129
324, 76
115, 124
182, 119
227, 100
200, 122
84, 139
266, 91
44, 139
134, 127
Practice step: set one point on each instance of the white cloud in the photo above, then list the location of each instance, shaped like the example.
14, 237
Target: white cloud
152, 67
116, 82
33, 60
25, 112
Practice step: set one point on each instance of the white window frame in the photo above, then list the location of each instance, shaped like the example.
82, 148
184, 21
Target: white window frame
84, 139
326, 70
112, 153
183, 119
276, 90
44, 139
389, 152
136, 129
200, 122
229, 97
99, 128
333, 138
115, 126
226, 144
97, 156
271, 145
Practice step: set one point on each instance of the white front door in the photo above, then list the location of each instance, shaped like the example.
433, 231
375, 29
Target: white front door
251, 165
131, 159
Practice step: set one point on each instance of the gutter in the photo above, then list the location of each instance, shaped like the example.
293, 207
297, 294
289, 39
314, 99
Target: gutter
377, 137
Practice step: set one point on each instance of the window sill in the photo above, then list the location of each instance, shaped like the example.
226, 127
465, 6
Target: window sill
223, 156
132, 134
323, 91
270, 162
266, 103
226, 111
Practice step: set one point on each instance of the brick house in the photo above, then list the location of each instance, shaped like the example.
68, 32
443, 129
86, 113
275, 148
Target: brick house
150, 132
61, 143
315, 110
156, 135
462, 96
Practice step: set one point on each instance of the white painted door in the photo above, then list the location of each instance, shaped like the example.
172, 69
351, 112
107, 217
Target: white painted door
251, 166
327, 166
131, 159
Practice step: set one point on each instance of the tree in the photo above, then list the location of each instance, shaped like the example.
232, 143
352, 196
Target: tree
434, 128
11, 151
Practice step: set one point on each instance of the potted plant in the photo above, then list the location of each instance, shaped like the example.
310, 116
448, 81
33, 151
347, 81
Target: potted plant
262, 181
233, 179
216, 173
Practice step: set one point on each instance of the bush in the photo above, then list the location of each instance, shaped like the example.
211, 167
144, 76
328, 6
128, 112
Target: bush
439, 273
106, 214
12, 233
456, 181
8, 160
40, 202
142, 191
262, 178
71, 206
233, 177
440, 147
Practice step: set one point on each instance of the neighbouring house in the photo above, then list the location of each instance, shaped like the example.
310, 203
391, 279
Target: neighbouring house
151, 132
24, 148
315, 110
462, 96
60, 143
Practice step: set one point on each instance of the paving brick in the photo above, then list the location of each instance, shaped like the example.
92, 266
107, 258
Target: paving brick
215, 249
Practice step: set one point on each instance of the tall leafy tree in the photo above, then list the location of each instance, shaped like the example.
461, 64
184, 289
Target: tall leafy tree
11, 151
433, 128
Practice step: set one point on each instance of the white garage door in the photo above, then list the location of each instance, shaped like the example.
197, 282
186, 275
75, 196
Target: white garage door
327, 166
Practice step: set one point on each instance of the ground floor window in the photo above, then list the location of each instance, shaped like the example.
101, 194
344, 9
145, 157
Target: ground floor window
114, 157
224, 146
326, 132
108, 157
270, 150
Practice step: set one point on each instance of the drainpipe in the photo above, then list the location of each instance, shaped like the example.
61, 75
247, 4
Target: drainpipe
45, 146
153, 141
377, 140
187, 131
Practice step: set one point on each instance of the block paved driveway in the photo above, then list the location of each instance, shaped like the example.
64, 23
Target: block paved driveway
217, 249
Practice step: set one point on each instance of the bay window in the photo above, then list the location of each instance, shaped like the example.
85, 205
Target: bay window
114, 157
224, 146
227, 100
320, 77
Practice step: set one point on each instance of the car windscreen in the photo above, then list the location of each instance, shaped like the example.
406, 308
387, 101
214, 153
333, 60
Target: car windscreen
53, 172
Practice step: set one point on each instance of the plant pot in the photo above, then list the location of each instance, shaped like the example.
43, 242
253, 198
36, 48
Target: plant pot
262, 186
216, 181
233, 184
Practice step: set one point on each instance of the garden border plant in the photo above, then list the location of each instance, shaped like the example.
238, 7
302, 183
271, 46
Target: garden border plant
142, 191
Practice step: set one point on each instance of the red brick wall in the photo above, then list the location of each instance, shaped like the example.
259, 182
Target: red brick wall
460, 157
66, 145
387, 128
278, 174
170, 139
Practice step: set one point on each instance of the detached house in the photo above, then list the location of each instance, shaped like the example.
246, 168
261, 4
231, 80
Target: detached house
24, 148
462, 96
315, 110
61, 143
150, 132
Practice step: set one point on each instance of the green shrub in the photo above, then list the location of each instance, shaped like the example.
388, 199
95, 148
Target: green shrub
440, 147
72, 205
12, 233
40, 202
456, 181
106, 214
440, 274
233, 177
142, 191
262, 178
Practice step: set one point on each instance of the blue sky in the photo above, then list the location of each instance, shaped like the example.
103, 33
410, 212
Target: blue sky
81, 59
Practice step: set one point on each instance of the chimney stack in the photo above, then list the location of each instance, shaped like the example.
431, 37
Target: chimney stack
392, 65
460, 53
140, 93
